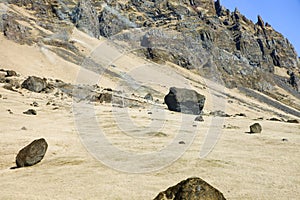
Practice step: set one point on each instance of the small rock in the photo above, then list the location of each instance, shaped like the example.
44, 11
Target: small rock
255, 128
149, 97
274, 119
149, 113
10, 73
105, 97
284, 140
32, 153
9, 111
181, 142
219, 113
199, 119
294, 121
24, 128
30, 112
34, 104
240, 115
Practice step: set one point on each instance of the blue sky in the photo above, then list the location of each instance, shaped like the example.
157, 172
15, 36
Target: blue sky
283, 16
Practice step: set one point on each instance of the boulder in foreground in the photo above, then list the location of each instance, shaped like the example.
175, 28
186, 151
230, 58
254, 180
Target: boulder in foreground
34, 84
184, 100
32, 153
191, 189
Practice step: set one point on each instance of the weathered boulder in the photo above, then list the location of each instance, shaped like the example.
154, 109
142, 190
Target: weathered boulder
192, 189
32, 153
34, 84
255, 128
185, 101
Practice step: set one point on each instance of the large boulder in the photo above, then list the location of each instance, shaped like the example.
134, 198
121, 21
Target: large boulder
185, 101
34, 84
32, 153
192, 189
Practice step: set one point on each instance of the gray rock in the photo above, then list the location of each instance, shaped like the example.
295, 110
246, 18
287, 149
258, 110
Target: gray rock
32, 153
199, 119
34, 84
294, 121
255, 128
10, 73
219, 113
30, 112
192, 188
148, 97
185, 101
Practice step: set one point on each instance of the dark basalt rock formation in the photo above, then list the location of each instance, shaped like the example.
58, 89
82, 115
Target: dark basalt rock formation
185, 101
191, 189
32, 153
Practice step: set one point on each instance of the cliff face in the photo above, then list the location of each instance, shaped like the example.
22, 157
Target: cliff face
196, 34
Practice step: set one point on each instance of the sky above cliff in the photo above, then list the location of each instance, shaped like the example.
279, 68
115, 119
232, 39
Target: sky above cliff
283, 16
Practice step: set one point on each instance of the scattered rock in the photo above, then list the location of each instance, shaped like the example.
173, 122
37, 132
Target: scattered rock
30, 112
229, 126
255, 128
199, 119
149, 97
10, 73
192, 188
294, 121
185, 101
240, 115
32, 153
34, 84
219, 113
34, 104
105, 97
9, 86
274, 119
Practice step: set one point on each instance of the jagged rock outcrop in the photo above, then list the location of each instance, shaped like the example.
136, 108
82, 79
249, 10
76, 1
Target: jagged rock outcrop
196, 34
85, 18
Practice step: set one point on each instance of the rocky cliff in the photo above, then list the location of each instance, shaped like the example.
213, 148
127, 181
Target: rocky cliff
200, 35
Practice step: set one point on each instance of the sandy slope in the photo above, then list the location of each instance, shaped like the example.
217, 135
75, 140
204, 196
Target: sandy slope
242, 166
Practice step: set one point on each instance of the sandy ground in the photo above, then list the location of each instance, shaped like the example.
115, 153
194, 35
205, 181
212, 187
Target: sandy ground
241, 165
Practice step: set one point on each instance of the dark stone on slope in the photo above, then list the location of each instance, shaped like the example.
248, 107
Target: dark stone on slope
255, 128
199, 119
294, 121
32, 153
34, 84
30, 112
184, 100
191, 189
148, 97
